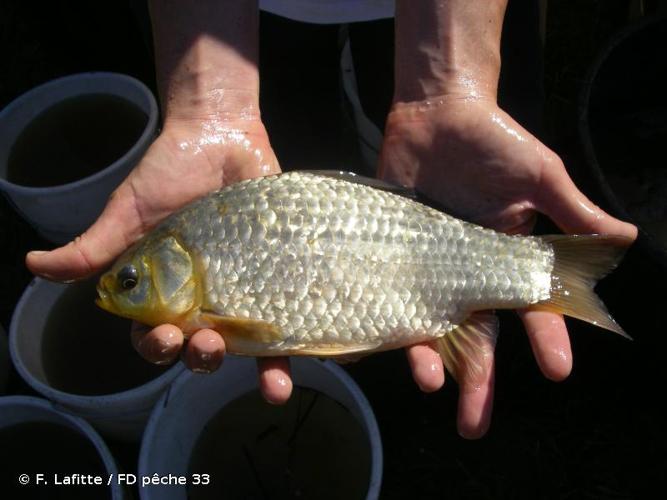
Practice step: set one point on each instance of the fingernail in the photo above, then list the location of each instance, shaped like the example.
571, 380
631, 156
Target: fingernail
163, 348
469, 435
162, 362
473, 434
464, 435
37, 253
160, 352
282, 381
207, 361
201, 370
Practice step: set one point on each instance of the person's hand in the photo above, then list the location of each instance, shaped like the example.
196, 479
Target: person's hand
206, 66
188, 160
474, 159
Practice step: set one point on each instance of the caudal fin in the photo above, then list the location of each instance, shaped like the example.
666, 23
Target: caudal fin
580, 261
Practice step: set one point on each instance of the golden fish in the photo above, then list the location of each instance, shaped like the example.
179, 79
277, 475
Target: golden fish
305, 264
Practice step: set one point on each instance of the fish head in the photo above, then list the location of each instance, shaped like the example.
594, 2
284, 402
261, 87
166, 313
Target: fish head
153, 282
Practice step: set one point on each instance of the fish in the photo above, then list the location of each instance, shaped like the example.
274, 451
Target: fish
341, 266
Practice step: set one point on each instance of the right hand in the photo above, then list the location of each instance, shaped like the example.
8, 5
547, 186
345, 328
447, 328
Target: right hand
188, 160
473, 159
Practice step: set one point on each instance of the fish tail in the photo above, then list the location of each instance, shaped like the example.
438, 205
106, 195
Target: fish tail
580, 261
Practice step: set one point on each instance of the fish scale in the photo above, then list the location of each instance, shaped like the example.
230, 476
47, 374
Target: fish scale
418, 270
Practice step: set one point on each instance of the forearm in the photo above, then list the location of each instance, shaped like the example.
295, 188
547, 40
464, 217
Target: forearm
206, 55
447, 48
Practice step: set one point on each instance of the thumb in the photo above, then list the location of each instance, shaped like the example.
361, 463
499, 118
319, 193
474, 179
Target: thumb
570, 209
117, 227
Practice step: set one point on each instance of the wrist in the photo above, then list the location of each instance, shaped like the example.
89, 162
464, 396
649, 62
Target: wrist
214, 129
206, 55
447, 49
196, 98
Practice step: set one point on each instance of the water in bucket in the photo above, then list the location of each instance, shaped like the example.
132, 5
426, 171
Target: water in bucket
74, 139
312, 447
87, 351
48, 448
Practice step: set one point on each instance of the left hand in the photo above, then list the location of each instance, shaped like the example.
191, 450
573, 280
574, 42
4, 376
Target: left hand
189, 159
472, 157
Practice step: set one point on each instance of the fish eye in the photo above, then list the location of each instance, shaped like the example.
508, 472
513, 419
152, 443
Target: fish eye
128, 277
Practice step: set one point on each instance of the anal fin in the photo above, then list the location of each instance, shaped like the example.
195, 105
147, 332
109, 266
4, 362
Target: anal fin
465, 350
340, 353
349, 358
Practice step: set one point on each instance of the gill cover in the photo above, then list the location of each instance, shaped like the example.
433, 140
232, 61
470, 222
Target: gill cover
165, 289
172, 273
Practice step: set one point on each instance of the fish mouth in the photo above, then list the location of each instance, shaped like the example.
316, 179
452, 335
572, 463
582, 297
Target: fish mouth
103, 299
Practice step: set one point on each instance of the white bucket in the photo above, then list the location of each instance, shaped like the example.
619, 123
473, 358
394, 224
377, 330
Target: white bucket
4, 361
39, 357
61, 212
23, 410
182, 413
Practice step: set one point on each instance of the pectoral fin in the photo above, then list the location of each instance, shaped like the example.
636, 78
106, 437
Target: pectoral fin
465, 350
240, 332
253, 337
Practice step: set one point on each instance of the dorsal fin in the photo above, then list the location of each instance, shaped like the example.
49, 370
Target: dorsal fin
364, 181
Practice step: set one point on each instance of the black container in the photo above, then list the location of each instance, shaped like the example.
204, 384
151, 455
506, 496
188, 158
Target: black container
623, 128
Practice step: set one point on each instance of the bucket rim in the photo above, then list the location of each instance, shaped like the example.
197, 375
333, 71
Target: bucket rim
79, 400
368, 423
137, 148
592, 164
76, 422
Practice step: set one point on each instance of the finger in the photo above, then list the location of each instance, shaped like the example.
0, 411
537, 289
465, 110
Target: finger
205, 351
426, 366
523, 227
476, 402
116, 228
514, 219
569, 208
551, 345
159, 345
274, 379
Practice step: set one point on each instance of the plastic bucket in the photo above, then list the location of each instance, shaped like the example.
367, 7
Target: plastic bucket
55, 443
177, 423
80, 357
60, 212
4, 361
623, 129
